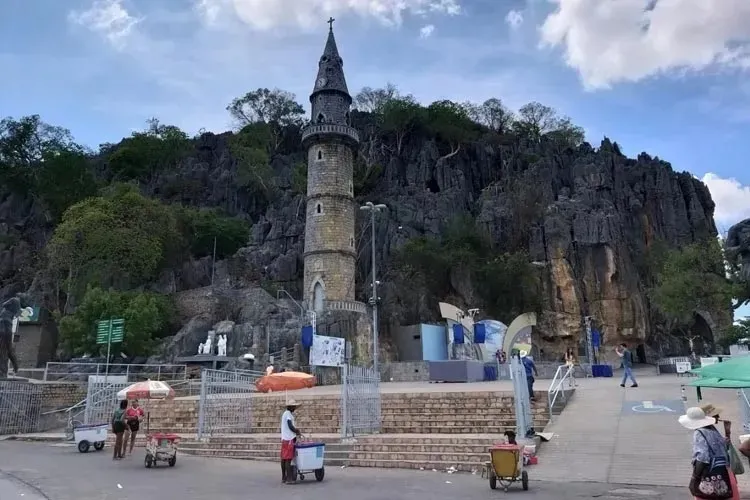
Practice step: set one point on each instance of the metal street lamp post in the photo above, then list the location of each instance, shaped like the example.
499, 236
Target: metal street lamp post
373, 209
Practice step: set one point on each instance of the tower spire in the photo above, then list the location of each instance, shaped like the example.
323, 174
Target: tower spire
331, 68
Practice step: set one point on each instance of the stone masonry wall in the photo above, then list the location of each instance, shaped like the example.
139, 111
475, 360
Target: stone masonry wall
330, 190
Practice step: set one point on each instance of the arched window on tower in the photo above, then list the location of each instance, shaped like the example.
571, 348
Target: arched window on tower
351, 242
346, 117
320, 154
321, 118
351, 187
319, 297
318, 208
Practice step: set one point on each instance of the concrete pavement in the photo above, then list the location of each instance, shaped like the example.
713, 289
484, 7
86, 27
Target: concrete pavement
61, 473
610, 434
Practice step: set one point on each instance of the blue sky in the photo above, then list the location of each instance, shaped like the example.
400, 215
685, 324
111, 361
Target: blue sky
666, 77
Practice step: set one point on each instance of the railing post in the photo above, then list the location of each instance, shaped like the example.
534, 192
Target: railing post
202, 405
344, 410
158, 373
46, 369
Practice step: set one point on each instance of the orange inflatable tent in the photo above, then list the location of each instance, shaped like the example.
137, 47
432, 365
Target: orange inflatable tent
285, 381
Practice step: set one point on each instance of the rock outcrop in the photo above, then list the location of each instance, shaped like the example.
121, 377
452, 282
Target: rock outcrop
586, 216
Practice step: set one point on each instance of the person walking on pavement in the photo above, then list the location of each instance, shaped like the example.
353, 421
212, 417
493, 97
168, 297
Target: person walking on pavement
530, 368
289, 435
627, 364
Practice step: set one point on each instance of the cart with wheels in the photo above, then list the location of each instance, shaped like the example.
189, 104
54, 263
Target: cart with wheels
161, 448
87, 436
308, 459
506, 467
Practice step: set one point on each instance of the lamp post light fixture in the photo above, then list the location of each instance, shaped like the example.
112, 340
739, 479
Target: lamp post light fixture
374, 209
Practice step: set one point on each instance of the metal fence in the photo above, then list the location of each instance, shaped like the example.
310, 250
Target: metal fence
101, 400
524, 420
360, 401
20, 407
135, 372
226, 402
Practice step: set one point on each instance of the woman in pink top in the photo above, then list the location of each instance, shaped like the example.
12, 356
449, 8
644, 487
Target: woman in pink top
133, 416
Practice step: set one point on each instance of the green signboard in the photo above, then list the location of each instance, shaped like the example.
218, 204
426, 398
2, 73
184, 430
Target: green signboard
110, 331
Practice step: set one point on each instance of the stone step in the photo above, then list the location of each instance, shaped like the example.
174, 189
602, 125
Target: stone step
272, 455
239, 455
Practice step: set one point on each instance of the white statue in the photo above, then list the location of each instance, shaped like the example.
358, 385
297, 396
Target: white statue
207, 348
222, 345
200, 348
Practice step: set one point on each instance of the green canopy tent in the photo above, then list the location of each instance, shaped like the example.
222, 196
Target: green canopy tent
732, 374
737, 369
719, 383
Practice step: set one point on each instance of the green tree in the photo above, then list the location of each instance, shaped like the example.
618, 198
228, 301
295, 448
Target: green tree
120, 239
451, 123
202, 227
692, 279
250, 148
276, 108
536, 120
144, 154
372, 100
63, 179
400, 117
507, 283
146, 316
493, 114
43, 161
737, 333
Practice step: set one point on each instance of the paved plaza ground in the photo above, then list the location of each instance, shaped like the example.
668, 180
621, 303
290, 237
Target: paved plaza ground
610, 434
36, 471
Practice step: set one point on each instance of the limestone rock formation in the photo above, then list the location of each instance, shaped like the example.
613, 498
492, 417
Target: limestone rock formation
587, 217
738, 247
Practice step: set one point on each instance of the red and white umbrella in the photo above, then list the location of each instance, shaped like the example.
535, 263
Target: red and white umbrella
148, 389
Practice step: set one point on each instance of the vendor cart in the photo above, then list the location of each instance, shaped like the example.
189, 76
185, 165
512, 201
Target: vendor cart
506, 467
87, 435
161, 448
308, 459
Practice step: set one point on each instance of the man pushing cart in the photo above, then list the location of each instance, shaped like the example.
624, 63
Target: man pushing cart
297, 458
289, 435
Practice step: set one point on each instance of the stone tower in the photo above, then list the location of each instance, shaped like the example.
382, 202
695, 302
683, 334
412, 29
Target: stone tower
330, 141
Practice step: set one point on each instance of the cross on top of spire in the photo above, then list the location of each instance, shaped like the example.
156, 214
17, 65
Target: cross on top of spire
330, 23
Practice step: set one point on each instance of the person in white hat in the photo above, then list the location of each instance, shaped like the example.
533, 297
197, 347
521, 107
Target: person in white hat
289, 435
712, 477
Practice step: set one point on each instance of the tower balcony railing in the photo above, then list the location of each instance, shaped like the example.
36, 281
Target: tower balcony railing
346, 305
329, 128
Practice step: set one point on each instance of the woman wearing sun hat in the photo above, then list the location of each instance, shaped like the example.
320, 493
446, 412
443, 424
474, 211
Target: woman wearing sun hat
712, 478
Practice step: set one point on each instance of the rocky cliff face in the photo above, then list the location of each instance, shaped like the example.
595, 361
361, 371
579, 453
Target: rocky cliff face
587, 217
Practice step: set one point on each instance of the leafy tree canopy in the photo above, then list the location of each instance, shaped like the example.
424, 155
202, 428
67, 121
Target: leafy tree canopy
738, 333
119, 239
692, 279
509, 282
276, 108
202, 227
43, 161
146, 316
144, 154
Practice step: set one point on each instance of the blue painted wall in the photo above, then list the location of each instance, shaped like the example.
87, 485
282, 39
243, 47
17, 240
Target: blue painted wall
434, 346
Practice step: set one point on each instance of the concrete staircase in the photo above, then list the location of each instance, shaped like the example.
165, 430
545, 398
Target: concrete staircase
401, 413
402, 451
425, 430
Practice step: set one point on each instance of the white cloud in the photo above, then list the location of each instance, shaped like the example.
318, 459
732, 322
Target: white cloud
264, 15
426, 31
612, 41
514, 19
731, 197
110, 19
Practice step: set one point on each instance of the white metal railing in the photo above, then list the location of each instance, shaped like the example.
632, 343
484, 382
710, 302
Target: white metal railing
55, 371
557, 388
